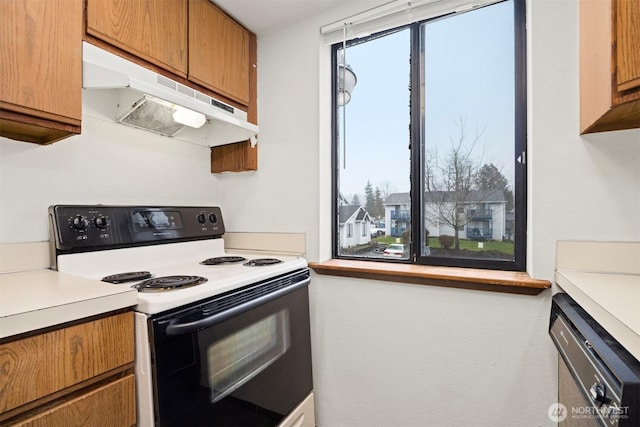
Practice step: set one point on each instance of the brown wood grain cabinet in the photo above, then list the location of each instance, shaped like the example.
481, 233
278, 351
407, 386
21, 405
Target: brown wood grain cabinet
191, 39
241, 156
609, 65
40, 69
218, 51
153, 30
628, 44
72, 376
194, 40
112, 404
238, 157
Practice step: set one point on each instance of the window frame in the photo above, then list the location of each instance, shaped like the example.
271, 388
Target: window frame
417, 149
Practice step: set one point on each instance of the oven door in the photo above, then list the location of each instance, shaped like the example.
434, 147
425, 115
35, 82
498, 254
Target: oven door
241, 359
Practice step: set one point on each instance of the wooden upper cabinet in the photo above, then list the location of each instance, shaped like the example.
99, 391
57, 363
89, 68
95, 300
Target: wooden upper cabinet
40, 69
609, 65
218, 51
628, 44
153, 30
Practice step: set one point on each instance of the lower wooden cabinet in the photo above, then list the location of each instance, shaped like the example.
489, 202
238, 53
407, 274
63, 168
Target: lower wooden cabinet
112, 404
74, 376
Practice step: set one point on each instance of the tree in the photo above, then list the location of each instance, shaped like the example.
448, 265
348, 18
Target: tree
449, 182
379, 203
369, 198
490, 178
355, 200
386, 188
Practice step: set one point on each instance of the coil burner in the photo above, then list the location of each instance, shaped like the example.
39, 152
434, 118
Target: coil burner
223, 260
168, 283
132, 276
262, 262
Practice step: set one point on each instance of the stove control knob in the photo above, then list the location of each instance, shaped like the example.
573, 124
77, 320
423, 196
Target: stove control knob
202, 218
597, 393
80, 223
102, 222
213, 218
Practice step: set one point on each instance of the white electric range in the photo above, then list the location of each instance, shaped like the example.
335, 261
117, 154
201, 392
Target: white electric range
219, 336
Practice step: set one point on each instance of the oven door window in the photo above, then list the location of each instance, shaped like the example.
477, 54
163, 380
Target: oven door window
239, 357
249, 370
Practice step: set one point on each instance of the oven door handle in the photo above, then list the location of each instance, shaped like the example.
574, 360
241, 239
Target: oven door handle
174, 329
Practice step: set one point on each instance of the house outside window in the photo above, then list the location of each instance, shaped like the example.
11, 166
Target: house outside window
353, 217
436, 127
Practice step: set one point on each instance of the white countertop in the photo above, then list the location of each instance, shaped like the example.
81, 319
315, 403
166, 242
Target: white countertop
604, 279
613, 300
32, 300
33, 297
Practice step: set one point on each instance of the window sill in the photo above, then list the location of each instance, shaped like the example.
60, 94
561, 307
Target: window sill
464, 278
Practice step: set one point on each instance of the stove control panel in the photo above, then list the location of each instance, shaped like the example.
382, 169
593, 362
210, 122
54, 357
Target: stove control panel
77, 228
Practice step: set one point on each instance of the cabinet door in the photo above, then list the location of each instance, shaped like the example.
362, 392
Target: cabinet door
112, 404
38, 366
154, 30
628, 44
236, 157
41, 68
218, 51
609, 65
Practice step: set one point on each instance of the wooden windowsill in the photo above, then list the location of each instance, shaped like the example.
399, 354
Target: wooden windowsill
465, 278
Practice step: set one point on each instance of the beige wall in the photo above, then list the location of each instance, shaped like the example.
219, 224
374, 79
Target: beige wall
108, 164
403, 355
384, 354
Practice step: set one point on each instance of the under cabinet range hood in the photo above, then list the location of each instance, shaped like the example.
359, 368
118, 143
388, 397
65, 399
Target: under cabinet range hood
148, 100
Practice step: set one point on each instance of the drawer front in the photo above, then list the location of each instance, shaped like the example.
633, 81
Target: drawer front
303, 415
110, 405
35, 367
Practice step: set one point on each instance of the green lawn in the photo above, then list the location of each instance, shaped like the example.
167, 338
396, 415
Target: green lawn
472, 245
387, 240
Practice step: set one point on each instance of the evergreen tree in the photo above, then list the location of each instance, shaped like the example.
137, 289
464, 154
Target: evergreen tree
378, 203
370, 204
489, 178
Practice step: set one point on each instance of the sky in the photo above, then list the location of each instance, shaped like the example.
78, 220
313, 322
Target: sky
464, 81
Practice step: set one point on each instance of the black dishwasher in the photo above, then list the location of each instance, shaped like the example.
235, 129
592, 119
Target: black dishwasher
599, 381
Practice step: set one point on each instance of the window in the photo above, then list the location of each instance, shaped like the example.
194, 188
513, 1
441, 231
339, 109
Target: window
430, 138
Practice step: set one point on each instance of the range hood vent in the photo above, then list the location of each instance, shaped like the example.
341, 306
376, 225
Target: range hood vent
151, 115
151, 101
